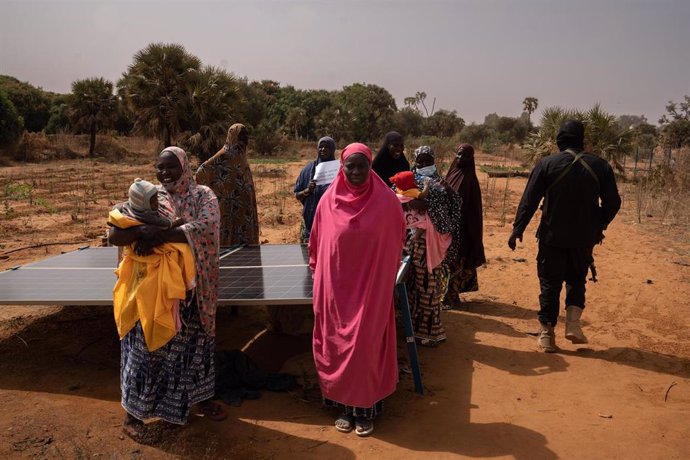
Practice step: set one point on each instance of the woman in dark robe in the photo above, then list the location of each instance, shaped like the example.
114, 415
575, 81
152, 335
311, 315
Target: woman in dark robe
462, 177
390, 158
307, 191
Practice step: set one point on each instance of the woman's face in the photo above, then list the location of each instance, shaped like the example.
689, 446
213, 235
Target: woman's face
243, 137
396, 149
324, 151
154, 202
423, 160
463, 158
356, 168
168, 168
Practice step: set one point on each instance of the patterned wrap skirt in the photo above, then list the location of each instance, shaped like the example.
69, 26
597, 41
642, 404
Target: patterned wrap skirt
424, 293
166, 383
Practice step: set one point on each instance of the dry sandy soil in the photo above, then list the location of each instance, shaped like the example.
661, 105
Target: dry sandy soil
489, 393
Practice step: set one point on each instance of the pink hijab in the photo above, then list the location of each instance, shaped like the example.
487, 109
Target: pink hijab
354, 253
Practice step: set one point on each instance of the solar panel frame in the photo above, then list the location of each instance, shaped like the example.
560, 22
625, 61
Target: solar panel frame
85, 277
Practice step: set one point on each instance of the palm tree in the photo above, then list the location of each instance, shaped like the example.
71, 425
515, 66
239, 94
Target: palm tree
603, 136
213, 99
91, 107
529, 105
155, 87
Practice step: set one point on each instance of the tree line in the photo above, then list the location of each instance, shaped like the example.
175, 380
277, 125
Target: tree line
168, 93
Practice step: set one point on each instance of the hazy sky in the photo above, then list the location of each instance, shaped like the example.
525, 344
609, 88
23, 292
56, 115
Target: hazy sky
475, 57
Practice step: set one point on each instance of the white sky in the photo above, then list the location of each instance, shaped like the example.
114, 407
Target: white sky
475, 57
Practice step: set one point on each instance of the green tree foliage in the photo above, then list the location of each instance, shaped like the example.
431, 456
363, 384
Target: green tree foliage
213, 98
675, 124
58, 121
476, 134
156, 89
417, 101
408, 122
529, 105
32, 104
443, 123
91, 107
603, 135
11, 124
367, 110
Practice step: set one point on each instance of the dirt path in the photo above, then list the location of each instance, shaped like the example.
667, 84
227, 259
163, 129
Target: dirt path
489, 393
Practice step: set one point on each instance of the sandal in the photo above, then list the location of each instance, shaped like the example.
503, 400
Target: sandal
363, 427
344, 423
138, 431
213, 411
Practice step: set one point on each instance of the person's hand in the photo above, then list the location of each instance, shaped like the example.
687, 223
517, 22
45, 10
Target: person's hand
149, 236
311, 186
446, 186
511, 241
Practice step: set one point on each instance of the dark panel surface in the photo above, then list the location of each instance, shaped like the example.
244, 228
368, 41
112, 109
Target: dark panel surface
267, 255
253, 275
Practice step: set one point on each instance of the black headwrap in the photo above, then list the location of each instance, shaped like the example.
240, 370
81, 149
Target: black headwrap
571, 135
384, 164
463, 179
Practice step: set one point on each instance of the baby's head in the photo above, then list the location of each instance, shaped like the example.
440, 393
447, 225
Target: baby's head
143, 196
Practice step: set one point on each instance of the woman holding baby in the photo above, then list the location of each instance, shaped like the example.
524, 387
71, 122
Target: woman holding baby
432, 214
166, 382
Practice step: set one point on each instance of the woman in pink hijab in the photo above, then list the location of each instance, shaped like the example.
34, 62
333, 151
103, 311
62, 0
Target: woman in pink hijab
354, 253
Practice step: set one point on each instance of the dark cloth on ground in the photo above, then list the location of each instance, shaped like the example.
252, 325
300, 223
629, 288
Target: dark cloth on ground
556, 265
238, 378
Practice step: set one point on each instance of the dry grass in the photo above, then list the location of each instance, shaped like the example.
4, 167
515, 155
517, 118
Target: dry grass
68, 199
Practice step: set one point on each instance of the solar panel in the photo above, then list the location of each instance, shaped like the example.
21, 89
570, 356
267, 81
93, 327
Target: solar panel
267, 255
250, 275
88, 257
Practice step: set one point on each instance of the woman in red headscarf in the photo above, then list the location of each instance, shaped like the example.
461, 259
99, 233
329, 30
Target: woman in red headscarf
462, 177
354, 253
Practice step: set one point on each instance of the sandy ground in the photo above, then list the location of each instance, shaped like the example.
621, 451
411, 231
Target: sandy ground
489, 393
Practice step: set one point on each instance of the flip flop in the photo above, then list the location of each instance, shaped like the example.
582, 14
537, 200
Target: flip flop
213, 411
140, 433
344, 423
363, 427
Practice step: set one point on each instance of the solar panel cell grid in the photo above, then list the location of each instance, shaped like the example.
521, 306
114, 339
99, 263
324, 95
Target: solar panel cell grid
252, 275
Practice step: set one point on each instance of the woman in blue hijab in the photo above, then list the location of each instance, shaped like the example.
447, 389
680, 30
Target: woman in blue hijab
306, 190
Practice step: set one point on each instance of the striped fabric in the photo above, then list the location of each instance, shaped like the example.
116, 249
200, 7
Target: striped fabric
369, 413
166, 383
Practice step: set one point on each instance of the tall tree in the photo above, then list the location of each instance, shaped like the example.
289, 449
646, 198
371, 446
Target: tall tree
91, 107
155, 87
213, 102
32, 104
675, 124
444, 123
369, 110
11, 124
529, 105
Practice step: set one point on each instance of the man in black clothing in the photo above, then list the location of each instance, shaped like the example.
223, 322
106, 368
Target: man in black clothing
580, 200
